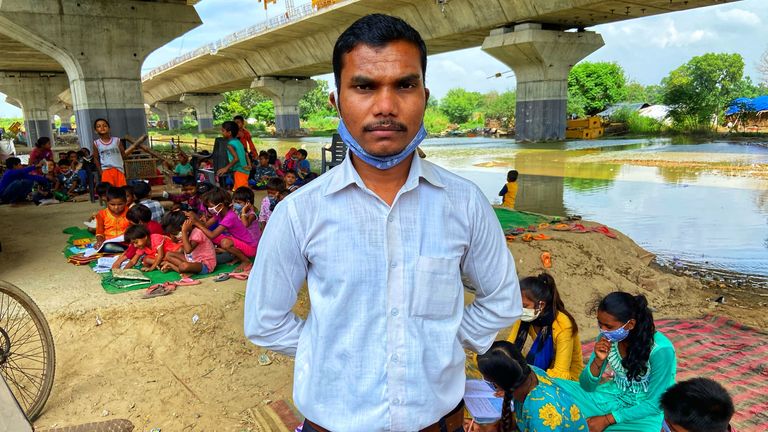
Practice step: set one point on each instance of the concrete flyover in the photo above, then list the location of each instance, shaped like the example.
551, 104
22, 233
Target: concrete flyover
539, 39
85, 55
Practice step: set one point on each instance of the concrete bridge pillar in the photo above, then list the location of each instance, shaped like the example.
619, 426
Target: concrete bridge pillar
36, 92
285, 93
172, 112
541, 60
203, 105
101, 44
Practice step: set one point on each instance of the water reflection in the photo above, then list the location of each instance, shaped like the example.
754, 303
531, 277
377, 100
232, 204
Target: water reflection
672, 196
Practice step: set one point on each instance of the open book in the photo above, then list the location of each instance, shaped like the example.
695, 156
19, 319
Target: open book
92, 251
481, 402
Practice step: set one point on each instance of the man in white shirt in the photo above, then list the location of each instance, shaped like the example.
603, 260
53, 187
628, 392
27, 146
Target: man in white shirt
382, 241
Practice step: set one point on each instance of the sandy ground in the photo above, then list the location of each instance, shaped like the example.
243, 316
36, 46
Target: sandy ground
149, 362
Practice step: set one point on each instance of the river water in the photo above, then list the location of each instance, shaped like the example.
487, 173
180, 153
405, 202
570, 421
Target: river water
697, 205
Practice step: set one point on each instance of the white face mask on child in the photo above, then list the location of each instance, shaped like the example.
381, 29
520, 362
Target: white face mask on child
213, 209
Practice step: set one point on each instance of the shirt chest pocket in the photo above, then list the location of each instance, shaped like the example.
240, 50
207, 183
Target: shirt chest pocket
436, 287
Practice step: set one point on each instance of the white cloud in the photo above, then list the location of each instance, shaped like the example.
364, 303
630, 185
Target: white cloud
670, 36
739, 17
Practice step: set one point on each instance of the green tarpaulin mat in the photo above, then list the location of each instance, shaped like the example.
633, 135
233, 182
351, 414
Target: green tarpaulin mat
115, 286
511, 219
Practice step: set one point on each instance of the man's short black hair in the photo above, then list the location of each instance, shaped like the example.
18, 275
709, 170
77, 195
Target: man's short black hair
698, 405
12, 162
139, 214
115, 193
376, 30
141, 190
135, 232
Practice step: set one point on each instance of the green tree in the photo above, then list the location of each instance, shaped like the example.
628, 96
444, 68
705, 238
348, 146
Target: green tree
746, 88
596, 86
635, 92
459, 104
240, 102
499, 106
703, 87
315, 102
655, 94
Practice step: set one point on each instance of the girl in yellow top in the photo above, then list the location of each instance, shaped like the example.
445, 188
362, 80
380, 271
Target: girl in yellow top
556, 347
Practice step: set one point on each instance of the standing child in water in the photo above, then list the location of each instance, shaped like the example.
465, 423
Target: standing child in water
509, 191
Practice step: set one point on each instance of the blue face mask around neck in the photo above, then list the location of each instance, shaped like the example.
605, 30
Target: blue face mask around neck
380, 162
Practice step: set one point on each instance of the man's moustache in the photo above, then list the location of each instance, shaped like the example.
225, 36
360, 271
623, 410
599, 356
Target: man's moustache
385, 125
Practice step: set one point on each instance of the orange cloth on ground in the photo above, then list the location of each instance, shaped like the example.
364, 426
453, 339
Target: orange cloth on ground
241, 179
111, 225
113, 176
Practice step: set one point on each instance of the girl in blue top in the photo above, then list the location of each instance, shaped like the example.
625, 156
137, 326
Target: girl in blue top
540, 404
637, 365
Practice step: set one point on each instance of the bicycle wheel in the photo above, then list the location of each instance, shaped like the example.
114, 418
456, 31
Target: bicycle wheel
27, 355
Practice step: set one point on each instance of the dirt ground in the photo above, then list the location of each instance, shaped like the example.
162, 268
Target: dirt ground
150, 362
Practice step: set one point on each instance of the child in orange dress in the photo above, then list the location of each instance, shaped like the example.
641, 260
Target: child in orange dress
112, 221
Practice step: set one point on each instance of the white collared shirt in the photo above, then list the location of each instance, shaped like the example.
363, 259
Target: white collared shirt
381, 349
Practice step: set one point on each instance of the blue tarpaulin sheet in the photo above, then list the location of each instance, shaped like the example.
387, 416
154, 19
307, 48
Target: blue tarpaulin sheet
751, 105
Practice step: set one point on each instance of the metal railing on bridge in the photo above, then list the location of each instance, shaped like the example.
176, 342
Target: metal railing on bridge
212, 48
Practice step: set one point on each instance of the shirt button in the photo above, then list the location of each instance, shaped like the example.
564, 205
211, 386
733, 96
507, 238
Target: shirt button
395, 312
391, 219
396, 402
393, 265
395, 358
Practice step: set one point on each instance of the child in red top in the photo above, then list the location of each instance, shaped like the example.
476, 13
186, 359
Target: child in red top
138, 215
197, 255
152, 247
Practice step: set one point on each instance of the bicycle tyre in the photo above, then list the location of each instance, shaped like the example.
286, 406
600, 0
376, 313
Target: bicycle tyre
35, 406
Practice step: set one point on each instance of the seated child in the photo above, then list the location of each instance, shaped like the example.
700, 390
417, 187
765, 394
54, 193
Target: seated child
261, 173
275, 162
130, 196
303, 169
290, 181
509, 191
142, 191
137, 215
67, 179
697, 405
17, 181
230, 234
112, 221
182, 169
275, 186
242, 204
197, 254
291, 160
150, 248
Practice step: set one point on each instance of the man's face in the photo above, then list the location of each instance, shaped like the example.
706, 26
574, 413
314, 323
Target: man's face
382, 96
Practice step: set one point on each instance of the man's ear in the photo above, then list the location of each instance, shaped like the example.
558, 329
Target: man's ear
426, 99
333, 102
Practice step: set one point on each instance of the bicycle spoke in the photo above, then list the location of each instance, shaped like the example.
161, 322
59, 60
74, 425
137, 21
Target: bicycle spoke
10, 376
35, 337
37, 382
30, 358
24, 327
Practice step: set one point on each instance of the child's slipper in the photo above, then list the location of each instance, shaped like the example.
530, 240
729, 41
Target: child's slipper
561, 227
240, 275
527, 237
604, 230
158, 290
542, 236
510, 238
186, 282
579, 228
531, 228
222, 277
546, 260
543, 226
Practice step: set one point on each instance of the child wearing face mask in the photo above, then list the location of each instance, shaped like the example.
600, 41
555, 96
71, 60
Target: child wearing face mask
554, 333
230, 234
242, 204
275, 186
197, 254
643, 365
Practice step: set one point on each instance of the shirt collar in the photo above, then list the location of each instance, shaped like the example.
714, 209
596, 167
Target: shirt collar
347, 175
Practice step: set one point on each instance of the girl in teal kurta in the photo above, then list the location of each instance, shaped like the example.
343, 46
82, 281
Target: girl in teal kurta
640, 362
540, 404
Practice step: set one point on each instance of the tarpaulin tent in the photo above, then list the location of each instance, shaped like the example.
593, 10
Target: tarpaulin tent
757, 104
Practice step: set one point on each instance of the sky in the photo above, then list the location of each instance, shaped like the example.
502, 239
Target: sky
647, 48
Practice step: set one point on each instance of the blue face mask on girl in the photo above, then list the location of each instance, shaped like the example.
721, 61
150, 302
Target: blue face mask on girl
617, 335
237, 207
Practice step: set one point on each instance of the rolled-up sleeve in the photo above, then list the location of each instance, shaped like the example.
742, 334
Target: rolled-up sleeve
490, 267
274, 283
